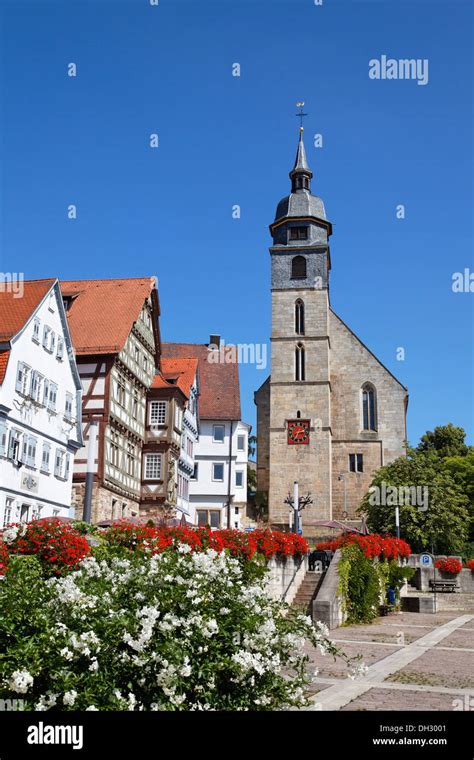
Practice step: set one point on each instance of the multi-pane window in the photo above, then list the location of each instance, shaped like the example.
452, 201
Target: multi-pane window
49, 339
131, 452
135, 403
299, 317
239, 478
67, 466
7, 515
218, 433
59, 463
36, 386
52, 396
114, 449
241, 443
29, 449
157, 412
211, 517
298, 233
300, 369
153, 466
14, 444
23, 374
45, 457
369, 416
68, 406
36, 330
3, 438
356, 463
60, 349
121, 391
218, 471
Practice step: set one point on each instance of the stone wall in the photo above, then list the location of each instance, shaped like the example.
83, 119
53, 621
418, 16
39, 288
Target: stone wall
103, 507
327, 607
285, 576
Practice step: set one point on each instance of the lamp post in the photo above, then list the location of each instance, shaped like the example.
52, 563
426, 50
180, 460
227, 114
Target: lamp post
343, 478
397, 521
297, 503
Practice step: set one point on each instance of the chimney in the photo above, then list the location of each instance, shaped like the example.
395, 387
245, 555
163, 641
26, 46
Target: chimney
215, 341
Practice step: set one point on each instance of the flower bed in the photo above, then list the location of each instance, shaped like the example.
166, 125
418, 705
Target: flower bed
57, 545
470, 565
372, 546
450, 566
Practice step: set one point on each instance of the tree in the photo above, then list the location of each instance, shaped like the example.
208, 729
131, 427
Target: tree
445, 441
251, 479
436, 516
461, 470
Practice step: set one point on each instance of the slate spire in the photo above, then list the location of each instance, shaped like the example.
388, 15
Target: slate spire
301, 174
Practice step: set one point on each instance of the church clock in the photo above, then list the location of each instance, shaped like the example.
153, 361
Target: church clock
298, 432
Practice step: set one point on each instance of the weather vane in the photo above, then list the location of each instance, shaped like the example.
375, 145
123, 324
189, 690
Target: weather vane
301, 115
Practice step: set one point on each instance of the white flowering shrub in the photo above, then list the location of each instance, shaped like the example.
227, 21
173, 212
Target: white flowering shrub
179, 630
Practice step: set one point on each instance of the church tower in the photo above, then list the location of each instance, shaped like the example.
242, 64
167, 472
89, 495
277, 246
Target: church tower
331, 413
300, 393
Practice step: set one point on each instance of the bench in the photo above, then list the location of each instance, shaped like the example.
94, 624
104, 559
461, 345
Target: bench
443, 585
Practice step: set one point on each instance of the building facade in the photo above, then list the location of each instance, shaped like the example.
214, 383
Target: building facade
171, 435
40, 405
218, 486
330, 414
115, 332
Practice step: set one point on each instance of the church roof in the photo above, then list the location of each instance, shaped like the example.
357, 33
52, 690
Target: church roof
301, 204
102, 312
219, 397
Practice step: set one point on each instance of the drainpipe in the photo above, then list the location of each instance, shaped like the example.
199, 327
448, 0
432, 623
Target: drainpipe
87, 512
229, 480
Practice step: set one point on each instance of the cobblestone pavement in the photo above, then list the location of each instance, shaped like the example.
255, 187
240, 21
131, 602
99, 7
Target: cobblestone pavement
415, 662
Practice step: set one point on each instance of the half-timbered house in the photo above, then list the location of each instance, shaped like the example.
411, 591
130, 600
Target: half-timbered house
115, 332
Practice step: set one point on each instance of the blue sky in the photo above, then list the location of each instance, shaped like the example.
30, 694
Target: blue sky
227, 140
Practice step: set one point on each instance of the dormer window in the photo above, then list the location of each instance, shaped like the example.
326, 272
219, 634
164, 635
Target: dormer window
298, 233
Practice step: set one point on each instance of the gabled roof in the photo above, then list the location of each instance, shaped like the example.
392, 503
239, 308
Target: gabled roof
181, 370
102, 312
15, 311
219, 397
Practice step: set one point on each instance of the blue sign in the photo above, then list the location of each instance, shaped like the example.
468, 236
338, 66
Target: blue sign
300, 532
426, 560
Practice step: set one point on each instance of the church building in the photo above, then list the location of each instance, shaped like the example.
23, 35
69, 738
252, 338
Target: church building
330, 414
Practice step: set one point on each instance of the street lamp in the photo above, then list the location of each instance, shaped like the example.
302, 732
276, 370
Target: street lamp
297, 504
343, 478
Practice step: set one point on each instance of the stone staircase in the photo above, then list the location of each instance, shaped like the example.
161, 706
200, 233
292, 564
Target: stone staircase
307, 591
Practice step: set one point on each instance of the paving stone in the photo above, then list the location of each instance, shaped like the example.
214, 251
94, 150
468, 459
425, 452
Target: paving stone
388, 699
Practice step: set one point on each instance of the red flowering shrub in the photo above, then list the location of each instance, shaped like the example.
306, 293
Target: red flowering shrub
470, 565
3, 558
56, 544
238, 543
450, 565
373, 545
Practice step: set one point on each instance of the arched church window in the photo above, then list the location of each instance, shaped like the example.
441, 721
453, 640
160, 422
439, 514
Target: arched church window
299, 362
298, 267
369, 407
299, 317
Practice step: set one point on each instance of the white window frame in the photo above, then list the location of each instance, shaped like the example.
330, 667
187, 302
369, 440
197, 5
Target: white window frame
36, 330
3, 438
59, 463
153, 471
45, 458
69, 406
214, 428
161, 413
241, 436
241, 473
60, 349
7, 512
214, 465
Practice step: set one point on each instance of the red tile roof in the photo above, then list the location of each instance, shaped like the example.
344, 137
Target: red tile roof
15, 311
182, 371
102, 312
219, 382
4, 356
